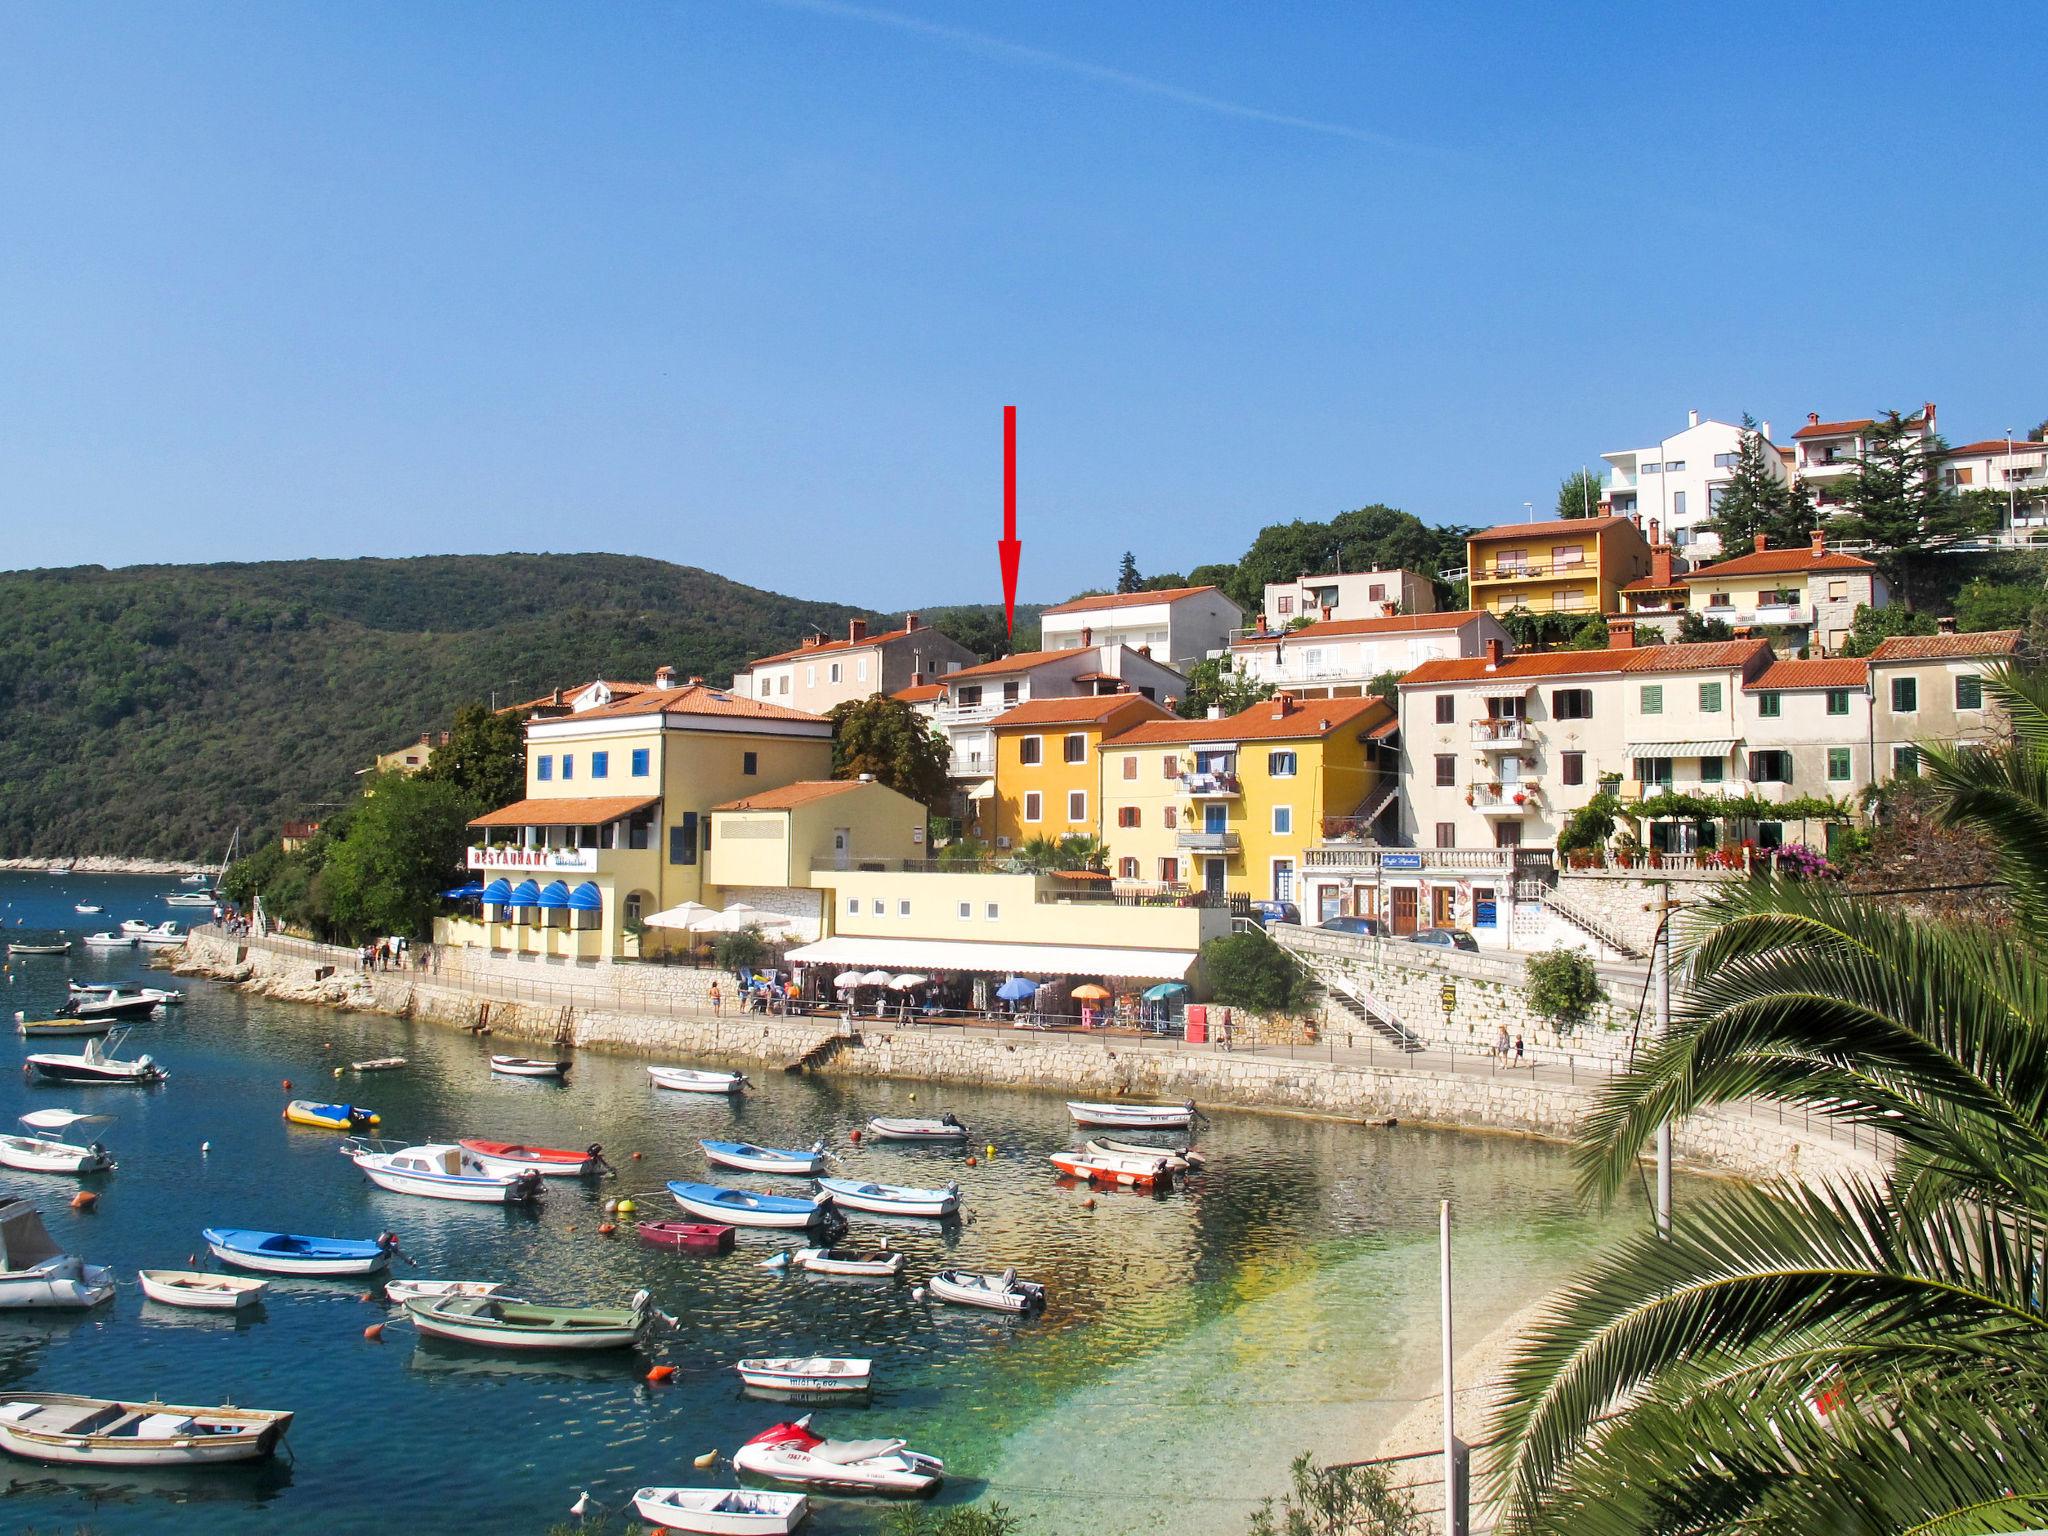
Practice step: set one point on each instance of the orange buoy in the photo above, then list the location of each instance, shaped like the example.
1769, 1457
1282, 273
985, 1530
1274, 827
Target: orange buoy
84, 1200
660, 1374
286, 1085
568, 1229
606, 1228
636, 1157
1088, 1202
374, 1332
854, 1135
970, 1162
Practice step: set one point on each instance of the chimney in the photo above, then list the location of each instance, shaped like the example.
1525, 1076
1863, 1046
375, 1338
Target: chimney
912, 621
917, 679
1495, 651
1820, 541
1661, 562
1328, 613
664, 677
1389, 610
1763, 542
1087, 635
426, 738
1621, 633
1813, 418
1655, 530
1764, 427
1692, 418
1745, 631
1283, 705
1929, 412
812, 642
1145, 651
856, 630
1946, 625
695, 682
1215, 711
558, 696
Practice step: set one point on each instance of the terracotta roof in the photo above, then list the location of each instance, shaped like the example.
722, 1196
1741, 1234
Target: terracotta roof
803, 792
1994, 447
690, 699
1023, 661
1989, 642
1833, 428
1337, 629
1085, 709
547, 700
1553, 525
1308, 718
565, 811
1823, 672
1779, 562
1652, 584
1700, 656
1127, 599
920, 693
831, 647
1387, 727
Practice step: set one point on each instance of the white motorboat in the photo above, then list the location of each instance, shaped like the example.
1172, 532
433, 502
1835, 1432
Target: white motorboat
164, 935
892, 1199
402, 1291
745, 1208
103, 1432
97, 1064
871, 1263
197, 877
807, 1374
530, 1066
34, 1273
134, 925
127, 1006
746, 1156
189, 898
1177, 1159
791, 1453
42, 1152
722, 1511
691, 1080
203, 1292
945, 1128
994, 1293
86, 909
1150, 1117
440, 1171
109, 941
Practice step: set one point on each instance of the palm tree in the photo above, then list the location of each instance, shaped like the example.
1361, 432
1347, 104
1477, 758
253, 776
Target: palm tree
1678, 1386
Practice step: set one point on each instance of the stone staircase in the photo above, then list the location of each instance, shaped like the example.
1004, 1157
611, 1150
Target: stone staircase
1356, 1006
825, 1050
1588, 923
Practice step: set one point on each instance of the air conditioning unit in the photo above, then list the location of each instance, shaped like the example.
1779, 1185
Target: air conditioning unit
1002, 842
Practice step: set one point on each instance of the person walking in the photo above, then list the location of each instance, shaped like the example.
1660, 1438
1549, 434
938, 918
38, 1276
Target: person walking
1518, 1048
714, 997
1500, 1043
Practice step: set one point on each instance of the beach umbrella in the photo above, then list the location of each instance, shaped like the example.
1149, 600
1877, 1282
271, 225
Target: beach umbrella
738, 914
908, 980
1164, 990
846, 979
1090, 993
875, 979
1016, 989
690, 917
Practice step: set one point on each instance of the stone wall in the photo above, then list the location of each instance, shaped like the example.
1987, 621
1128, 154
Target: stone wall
1622, 901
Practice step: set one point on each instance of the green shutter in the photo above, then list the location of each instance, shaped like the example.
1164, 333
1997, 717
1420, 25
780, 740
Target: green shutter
1653, 698
1710, 698
1838, 701
1838, 763
1767, 705
1969, 692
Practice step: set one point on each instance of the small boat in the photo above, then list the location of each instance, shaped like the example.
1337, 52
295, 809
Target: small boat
529, 1066
438, 1171
109, 941
1150, 1117
97, 1064
812, 1373
206, 1293
34, 1273
378, 1064
287, 1253
711, 1236
64, 1026
996, 1293
134, 925
870, 1263
16, 947
163, 936
197, 878
1116, 1168
790, 1453
892, 1199
722, 1511
42, 1152
402, 1291
84, 990
86, 909
103, 1432
115, 1005
516, 1157
744, 1208
189, 898
331, 1117
945, 1128
502, 1322
691, 1080
1179, 1159
752, 1159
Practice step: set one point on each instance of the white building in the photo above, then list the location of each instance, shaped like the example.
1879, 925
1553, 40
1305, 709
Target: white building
974, 696
1677, 482
1337, 658
1346, 595
1828, 450
824, 672
1179, 625
2011, 466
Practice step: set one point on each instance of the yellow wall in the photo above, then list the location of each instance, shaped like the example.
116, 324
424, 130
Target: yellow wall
780, 847
1607, 560
1052, 778
703, 769
1021, 917
1149, 793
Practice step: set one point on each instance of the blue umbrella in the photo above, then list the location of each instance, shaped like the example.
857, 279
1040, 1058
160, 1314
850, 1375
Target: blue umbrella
1164, 990
1016, 989
465, 892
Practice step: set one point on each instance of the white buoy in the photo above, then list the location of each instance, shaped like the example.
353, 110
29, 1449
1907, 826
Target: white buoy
205, 1147
581, 1507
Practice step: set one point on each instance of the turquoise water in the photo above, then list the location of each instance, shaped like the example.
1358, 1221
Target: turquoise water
1285, 1299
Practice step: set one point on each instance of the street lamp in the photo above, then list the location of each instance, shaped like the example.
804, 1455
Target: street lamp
2012, 492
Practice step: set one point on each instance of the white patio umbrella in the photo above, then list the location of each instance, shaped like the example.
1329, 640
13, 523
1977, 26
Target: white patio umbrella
906, 981
875, 979
846, 979
690, 917
739, 914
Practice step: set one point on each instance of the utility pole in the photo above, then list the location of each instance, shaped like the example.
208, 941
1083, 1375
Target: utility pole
1457, 1511
1661, 961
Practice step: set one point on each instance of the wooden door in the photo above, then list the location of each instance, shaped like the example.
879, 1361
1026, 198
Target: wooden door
1404, 909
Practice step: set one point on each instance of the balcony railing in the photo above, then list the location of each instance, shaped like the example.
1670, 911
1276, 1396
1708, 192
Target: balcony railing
971, 714
1211, 786
1501, 733
1371, 858
1534, 568
969, 765
1508, 799
1207, 842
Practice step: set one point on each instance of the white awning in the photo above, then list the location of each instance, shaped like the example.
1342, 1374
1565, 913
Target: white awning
1640, 749
1039, 961
985, 790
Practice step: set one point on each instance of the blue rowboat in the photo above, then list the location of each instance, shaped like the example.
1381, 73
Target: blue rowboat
745, 1155
744, 1208
892, 1199
286, 1253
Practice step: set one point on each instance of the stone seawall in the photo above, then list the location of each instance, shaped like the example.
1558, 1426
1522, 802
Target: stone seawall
1731, 1143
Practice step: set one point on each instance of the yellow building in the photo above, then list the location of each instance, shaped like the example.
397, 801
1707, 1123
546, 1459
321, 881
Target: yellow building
1046, 778
410, 758
1568, 565
1230, 804
765, 846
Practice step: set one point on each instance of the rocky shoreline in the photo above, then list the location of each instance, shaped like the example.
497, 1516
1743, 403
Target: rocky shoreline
106, 864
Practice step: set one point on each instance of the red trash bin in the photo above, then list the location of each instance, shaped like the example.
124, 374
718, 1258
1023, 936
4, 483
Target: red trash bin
1197, 1017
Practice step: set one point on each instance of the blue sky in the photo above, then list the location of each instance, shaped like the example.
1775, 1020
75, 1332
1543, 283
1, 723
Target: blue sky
746, 283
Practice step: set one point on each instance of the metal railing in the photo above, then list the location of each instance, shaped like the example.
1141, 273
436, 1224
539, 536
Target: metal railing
1207, 842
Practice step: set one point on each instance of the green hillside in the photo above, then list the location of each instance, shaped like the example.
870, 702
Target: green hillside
151, 709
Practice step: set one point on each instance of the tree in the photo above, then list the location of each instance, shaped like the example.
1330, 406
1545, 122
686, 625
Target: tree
740, 950
484, 757
1872, 625
1587, 829
1580, 495
1757, 499
1983, 604
1340, 1501
1563, 986
887, 738
1248, 970
1166, 581
1693, 627
1127, 577
1375, 537
1209, 683
403, 847
1896, 501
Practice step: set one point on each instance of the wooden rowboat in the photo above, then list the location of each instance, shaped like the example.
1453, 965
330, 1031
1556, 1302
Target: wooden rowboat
710, 1236
722, 1511
103, 1432
1148, 1117
206, 1293
502, 1323
530, 1066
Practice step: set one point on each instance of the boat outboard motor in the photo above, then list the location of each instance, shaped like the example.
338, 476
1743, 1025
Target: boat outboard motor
527, 1186
595, 1152
98, 1151
948, 1119
358, 1120
1009, 1281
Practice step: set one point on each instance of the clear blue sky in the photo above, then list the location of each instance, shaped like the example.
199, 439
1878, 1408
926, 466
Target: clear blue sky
745, 283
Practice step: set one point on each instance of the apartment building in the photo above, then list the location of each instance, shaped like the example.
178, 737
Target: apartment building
1827, 451
1804, 728
1345, 595
1930, 688
975, 696
1568, 565
1679, 480
1338, 658
1810, 593
1178, 625
1229, 804
1047, 780
824, 672
2012, 467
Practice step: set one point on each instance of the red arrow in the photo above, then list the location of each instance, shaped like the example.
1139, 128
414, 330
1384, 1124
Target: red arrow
1008, 547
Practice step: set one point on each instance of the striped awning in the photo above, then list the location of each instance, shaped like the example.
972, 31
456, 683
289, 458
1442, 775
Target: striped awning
1641, 749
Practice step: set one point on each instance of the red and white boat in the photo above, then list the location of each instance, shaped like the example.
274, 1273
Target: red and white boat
1114, 1168
553, 1162
792, 1453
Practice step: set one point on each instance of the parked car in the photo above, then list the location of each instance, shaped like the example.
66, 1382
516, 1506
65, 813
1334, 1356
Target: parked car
1370, 927
1264, 912
1444, 938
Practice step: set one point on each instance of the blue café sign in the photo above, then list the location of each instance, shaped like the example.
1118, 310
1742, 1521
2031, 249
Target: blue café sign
1400, 861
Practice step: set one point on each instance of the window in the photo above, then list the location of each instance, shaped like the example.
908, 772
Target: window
1969, 692
544, 767
1281, 765
1720, 600
1654, 770
750, 762
1768, 705
832, 673
853, 907
1130, 767
1446, 769
1651, 469
1169, 871
1906, 762
1009, 693
1562, 555
860, 670
568, 765
1170, 817
1283, 820
1678, 500
1726, 460
642, 762
1653, 698
1446, 709
966, 910
600, 765
1838, 589
1905, 696
1077, 747
1031, 751
682, 840
1284, 606
1127, 869
1674, 466
877, 907
1838, 701
968, 696
784, 689
992, 912
1712, 770
810, 677
1447, 834
1169, 765
1838, 763
1710, 698
1376, 593
1034, 805
1571, 704
1077, 805
903, 909
1574, 767
1770, 767
1127, 816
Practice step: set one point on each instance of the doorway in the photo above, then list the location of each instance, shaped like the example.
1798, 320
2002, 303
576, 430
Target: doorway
1404, 910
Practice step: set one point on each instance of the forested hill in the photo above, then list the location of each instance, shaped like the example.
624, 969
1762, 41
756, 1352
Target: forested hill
152, 709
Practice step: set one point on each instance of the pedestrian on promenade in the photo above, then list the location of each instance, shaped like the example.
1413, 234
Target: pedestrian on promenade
714, 997
1518, 1048
1500, 1043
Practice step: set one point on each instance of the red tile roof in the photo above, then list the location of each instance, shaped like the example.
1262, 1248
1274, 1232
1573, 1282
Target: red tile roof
1824, 672
1994, 447
1700, 656
803, 792
835, 647
1127, 599
1779, 562
1989, 642
547, 700
1652, 584
919, 693
565, 811
1023, 661
1308, 718
1338, 629
1553, 525
1834, 428
689, 699
1088, 709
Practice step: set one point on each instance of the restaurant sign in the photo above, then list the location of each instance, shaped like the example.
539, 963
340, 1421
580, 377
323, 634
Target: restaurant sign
1400, 861
576, 859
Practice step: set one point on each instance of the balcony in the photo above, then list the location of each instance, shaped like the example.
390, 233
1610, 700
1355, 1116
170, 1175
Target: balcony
950, 715
1499, 735
1373, 858
969, 765
1499, 799
1207, 842
510, 859
1535, 570
1770, 791
1783, 613
1211, 786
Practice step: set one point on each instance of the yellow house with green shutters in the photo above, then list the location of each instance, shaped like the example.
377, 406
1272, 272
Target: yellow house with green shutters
1232, 804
